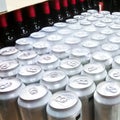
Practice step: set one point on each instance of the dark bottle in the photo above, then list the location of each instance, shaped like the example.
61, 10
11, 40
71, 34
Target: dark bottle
73, 8
65, 10
90, 4
20, 27
34, 24
82, 6
7, 37
48, 20
96, 5
57, 12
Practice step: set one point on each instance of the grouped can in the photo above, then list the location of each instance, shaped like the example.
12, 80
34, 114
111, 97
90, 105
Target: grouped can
8, 53
115, 27
64, 105
116, 62
9, 68
70, 66
71, 21
115, 40
78, 17
92, 11
29, 74
92, 19
86, 14
9, 92
107, 101
84, 87
54, 80
32, 102
60, 25
84, 23
99, 16
96, 71
105, 12
99, 25
75, 27
116, 13
48, 61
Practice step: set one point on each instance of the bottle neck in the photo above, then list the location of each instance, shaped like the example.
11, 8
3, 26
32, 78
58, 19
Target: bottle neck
31, 12
18, 16
65, 3
3, 21
57, 5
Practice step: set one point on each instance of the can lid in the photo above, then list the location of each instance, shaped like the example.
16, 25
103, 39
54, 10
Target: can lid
114, 74
47, 59
79, 17
71, 21
69, 63
49, 29
117, 59
53, 76
54, 38
100, 24
37, 35
86, 14
9, 85
8, 65
118, 33
92, 11
115, 26
85, 22
107, 31
110, 47
111, 16
72, 41
78, 52
24, 55
90, 29
93, 68
41, 45
63, 100
108, 89
61, 48
101, 56
74, 27
81, 34
29, 70
115, 39
116, 13
97, 15
104, 12
92, 18
6, 51
80, 82
60, 24
98, 36
33, 92
64, 31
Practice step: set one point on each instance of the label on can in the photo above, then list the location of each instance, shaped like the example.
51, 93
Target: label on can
37, 35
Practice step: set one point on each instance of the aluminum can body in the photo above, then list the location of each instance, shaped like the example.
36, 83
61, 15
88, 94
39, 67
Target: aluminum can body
107, 101
32, 102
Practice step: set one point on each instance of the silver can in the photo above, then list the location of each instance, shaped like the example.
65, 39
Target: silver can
64, 105
29, 74
116, 13
84, 87
32, 102
92, 11
60, 25
99, 16
86, 14
115, 27
8, 53
116, 62
54, 80
75, 27
115, 40
48, 61
9, 68
9, 92
99, 25
95, 71
104, 12
70, 66
84, 23
92, 19
107, 101
71, 21
78, 17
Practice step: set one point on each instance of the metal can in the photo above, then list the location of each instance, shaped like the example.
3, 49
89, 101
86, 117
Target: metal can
111, 16
78, 17
23, 44
61, 51
115, 27
32, 102
99, 25
60, 25
116, 62
8, 68
92, 11
107, 101
75, 27
70, 66
107, 21
42, 47
83, 55
84, 87
30, 74
96, 71
71, 21
85, 23
48, 61
8, 53
104, 12
92, 19
9, 92
64, 105
54, 80
86, 14
103, 58
116, 13
98, 15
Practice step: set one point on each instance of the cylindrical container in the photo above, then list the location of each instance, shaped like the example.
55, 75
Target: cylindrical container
48, 61
96, 71
42, 47
116, 62
37, 36
99, 16
92, 11
54, 39
9, 92
60, 25
86, 14
54, 80
27, 57
71, 21
85, 23
99, 25
70, 66
92, 19
8, 53
103, 58
32, 102
83, 55
30, 74
111, 48
107, 21
107, 101
115, 27
116, 13
75, 27
113, 17
64, 105
115, 40
8, 68
23, 44
61, 51
104, 12
78, 17
84, 87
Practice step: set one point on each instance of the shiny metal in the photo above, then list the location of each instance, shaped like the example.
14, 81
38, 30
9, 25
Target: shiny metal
64, 105
116, 62
71, 21
115, 27
60, 25
107, 101
54, 80
104, 12
115, 40
92, 11
86, 14
78, 17
32, 102
116, 13
92, 19
9, 92
99, 25
84, 87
